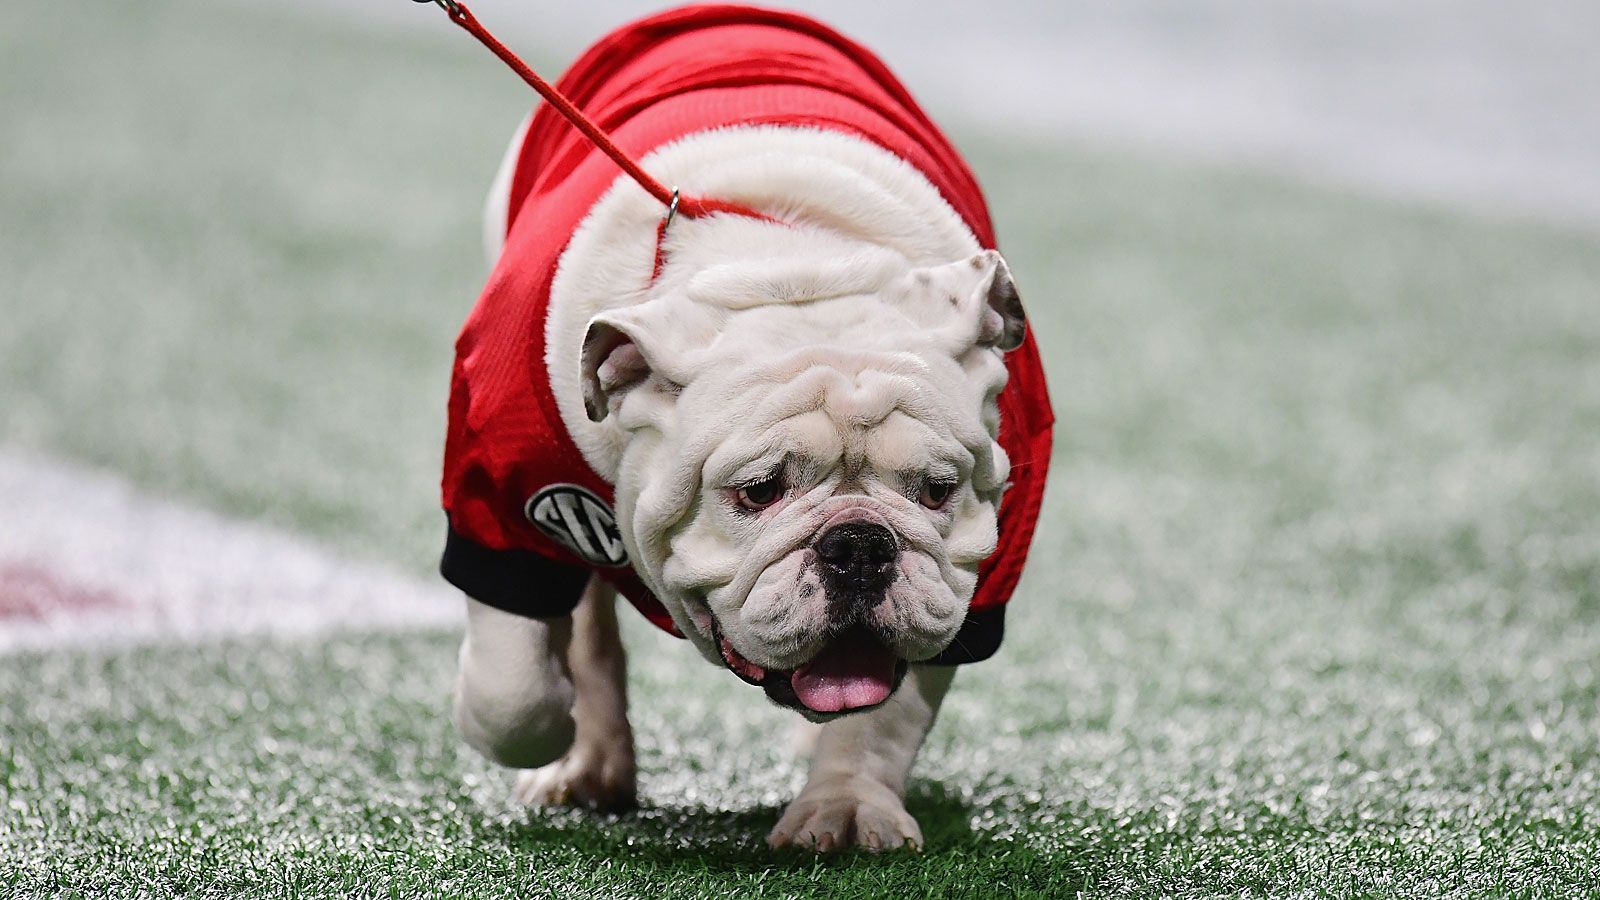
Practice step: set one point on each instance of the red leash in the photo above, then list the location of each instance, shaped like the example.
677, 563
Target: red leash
692, 207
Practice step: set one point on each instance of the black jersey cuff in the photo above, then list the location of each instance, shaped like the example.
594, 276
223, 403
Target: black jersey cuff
979, 638
520, 582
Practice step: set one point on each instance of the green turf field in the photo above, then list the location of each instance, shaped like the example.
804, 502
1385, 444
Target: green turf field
1314, 609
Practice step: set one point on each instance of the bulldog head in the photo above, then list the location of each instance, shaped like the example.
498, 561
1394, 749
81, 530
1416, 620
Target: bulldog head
809, 476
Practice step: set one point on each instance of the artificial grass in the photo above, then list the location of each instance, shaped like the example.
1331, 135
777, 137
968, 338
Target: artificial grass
1312, 610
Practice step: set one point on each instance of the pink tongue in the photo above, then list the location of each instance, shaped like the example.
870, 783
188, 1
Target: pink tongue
851, 672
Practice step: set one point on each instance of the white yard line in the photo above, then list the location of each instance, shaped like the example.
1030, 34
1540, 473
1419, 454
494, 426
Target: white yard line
107, 564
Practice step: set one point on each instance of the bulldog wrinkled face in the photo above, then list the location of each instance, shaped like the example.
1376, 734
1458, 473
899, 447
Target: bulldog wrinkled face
812, 497
836, 535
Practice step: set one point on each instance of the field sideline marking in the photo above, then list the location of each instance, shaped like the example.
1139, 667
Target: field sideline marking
86, 559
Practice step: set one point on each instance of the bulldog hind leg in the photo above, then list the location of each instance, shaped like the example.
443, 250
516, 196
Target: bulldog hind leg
597, 771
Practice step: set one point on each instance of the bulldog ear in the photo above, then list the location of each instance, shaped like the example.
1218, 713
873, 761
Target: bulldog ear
983, 298
613, 360
1002, 322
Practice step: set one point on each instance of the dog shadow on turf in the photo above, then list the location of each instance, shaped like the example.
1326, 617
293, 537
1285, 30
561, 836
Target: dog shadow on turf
724, 840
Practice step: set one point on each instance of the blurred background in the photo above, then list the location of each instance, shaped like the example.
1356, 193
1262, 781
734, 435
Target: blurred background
1314, 607
1473, 102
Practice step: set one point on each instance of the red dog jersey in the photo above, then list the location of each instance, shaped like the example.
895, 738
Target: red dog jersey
529, 521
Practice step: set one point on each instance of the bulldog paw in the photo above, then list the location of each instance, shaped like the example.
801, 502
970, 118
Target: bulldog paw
588, 777
837, 814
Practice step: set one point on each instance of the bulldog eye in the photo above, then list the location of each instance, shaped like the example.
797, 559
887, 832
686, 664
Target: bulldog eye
935, 494
761, 494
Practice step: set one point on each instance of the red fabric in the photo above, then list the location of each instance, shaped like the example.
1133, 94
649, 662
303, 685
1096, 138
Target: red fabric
677, 73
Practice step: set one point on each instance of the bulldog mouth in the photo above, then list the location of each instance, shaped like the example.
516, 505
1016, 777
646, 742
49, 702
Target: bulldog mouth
853, 671
736, 663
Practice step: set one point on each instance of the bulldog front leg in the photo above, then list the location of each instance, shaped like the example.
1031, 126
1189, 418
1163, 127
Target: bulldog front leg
598, 770
513, 697
854, 794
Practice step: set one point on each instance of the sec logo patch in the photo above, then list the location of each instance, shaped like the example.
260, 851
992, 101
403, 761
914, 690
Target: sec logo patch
577, 519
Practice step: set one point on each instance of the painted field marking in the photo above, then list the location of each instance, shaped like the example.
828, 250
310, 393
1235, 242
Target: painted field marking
86, 559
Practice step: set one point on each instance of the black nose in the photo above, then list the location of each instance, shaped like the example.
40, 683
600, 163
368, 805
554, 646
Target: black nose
857, 558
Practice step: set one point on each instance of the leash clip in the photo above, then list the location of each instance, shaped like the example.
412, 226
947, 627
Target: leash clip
672, 212
451, 7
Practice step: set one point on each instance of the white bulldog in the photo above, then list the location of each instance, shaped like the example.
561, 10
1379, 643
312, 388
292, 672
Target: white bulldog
800, 422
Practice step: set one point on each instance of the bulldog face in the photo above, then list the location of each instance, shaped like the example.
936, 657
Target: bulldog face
809, 484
